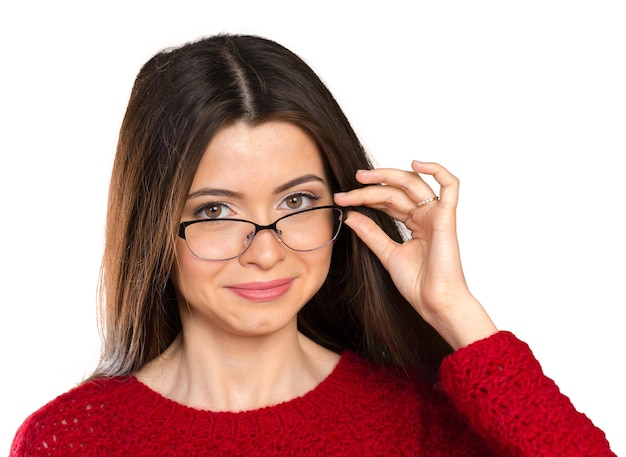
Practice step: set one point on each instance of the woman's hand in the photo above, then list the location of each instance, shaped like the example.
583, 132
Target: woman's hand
426, 269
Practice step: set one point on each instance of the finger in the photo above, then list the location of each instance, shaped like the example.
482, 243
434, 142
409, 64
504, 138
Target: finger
449, 184
410, 182
393, 201
372, 235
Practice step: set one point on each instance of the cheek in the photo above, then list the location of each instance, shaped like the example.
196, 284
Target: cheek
319, 263
188, 271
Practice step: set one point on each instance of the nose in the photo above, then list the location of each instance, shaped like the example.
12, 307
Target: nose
258, 228
264, 248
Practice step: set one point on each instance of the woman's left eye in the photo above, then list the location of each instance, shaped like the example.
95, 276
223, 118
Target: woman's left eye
300, 201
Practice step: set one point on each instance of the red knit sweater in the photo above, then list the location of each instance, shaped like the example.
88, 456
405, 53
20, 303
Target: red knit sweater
493, 400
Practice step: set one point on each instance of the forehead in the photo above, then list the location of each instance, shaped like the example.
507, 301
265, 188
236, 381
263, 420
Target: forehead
242, 156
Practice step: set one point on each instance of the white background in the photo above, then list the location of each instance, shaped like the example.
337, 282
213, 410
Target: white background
524, 101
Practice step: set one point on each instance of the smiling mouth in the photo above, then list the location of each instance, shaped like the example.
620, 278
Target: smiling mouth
263, 291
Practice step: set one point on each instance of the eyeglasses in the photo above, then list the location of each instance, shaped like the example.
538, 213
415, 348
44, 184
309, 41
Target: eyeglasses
225, 239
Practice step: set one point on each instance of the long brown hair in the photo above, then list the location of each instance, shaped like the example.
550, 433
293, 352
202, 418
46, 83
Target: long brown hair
180, 99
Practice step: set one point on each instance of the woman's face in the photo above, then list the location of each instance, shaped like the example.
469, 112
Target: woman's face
259, 174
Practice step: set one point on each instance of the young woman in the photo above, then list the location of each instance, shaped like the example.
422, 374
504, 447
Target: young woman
259, 297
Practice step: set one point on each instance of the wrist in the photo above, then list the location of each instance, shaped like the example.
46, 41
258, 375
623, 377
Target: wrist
464, 323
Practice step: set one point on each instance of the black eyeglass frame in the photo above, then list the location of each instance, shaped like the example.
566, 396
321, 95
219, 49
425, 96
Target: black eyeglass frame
273, 227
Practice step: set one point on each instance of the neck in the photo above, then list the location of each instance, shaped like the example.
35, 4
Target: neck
238, 373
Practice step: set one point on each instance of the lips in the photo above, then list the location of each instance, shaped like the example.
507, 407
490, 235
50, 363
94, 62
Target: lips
263, 291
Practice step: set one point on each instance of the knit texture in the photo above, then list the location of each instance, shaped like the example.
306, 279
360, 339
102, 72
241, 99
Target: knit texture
494, 400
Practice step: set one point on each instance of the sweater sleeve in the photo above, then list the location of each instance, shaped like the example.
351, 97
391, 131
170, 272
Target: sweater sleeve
500, 386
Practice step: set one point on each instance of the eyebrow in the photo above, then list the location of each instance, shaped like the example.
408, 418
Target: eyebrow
232, 194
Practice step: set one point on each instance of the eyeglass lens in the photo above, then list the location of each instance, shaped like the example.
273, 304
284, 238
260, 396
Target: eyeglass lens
226, 239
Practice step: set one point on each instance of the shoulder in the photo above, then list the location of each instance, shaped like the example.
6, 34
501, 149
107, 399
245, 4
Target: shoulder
85, 399
365, 371
388, 386
70, 416
398, 407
